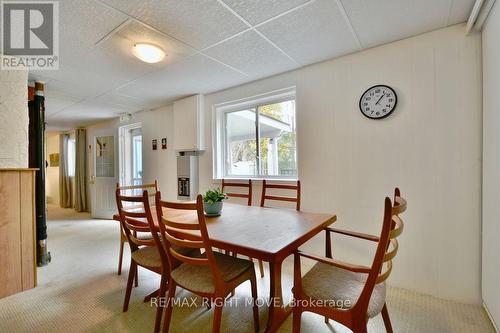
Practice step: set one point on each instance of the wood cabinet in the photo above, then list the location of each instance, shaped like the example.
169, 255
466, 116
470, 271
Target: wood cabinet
17, 231
189, 123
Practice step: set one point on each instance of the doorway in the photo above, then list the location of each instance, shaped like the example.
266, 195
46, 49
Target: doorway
130, 152
103, 174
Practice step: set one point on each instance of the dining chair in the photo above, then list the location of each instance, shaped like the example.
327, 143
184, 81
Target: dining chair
133, 190
211, 275
144, 251
266, 196
350, 294
248, 196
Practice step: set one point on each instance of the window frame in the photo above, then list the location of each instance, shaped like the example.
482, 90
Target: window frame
134, 154
219, 144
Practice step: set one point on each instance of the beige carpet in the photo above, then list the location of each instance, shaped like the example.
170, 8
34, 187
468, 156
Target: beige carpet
81, 292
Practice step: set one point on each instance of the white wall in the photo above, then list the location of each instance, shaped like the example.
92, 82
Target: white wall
430, 148
52, 173
157, 164
14, 119
491, 164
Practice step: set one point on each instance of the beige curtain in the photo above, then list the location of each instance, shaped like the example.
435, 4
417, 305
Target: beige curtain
65, 190
81, 198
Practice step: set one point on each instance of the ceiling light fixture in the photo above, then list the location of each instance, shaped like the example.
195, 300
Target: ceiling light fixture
148, 53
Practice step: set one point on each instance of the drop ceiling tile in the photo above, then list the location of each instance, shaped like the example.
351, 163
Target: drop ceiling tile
79, 85
103, 62
86, 21
313, 33
196, 74
460, 11
128, 102
257, 11
199, 23
84, 70
123, 41
70, 119
83, 24
56, 104
88, 111
384, 21
252, 54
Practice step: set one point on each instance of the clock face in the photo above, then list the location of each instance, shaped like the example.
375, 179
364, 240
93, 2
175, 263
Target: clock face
378, 102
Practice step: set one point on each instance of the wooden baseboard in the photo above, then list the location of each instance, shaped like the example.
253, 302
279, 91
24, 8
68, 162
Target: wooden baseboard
491, 318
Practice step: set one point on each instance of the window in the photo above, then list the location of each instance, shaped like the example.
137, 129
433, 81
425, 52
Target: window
71, 157
130, 156
105, 156
256, 138
137, 157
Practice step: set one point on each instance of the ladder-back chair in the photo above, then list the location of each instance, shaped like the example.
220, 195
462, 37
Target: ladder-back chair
266, 196
132, 190
350, 294
136, 217
247, 195
211, 275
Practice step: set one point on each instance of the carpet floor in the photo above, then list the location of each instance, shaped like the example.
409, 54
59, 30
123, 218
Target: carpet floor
80, 291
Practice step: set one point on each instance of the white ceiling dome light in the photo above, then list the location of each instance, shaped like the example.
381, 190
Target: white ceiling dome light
148, 53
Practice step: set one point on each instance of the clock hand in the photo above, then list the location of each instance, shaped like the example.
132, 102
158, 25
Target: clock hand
380, 99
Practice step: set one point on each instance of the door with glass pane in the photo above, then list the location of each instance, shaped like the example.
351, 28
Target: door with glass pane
103, 176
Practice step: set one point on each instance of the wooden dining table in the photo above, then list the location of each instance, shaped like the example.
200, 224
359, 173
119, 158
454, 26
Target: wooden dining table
269, 234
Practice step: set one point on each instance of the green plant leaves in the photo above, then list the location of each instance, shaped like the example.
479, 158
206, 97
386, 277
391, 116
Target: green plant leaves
213, 196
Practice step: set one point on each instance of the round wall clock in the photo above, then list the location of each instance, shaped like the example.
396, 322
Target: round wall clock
378, 102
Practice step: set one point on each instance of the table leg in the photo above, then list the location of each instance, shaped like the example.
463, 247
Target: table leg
278, 311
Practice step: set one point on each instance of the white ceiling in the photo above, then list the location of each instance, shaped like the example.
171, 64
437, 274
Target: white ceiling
211, 45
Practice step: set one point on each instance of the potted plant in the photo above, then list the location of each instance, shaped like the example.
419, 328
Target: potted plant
212, 202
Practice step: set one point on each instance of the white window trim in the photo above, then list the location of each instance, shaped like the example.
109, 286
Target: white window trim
218, 135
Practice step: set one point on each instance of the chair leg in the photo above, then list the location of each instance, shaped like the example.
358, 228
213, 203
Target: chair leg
261, 268
131, 275
297, 316
161, 294
387, 319
167, 316
327, 321
360, 327
136, 276
120, 259
217, 318
253, 283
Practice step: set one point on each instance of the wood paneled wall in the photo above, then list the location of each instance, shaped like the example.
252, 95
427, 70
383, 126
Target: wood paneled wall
17, 231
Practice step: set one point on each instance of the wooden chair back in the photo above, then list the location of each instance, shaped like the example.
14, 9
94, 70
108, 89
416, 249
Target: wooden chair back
247, 195
265, 196
177, 228
387, 247
137, 190
135, 217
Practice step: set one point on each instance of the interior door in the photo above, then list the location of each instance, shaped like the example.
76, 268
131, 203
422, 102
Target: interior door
104, 176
